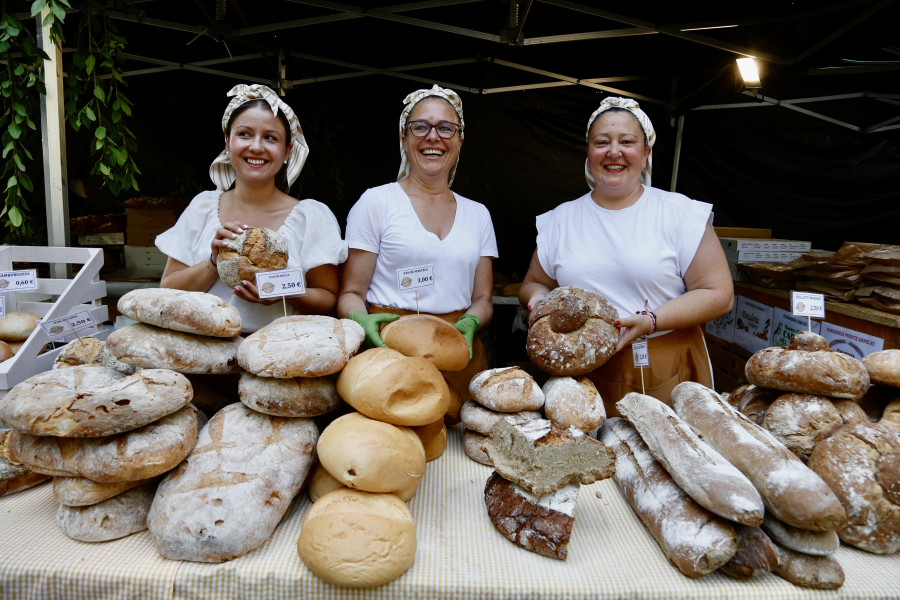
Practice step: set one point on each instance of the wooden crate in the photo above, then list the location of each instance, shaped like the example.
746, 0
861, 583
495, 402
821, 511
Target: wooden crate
52, 299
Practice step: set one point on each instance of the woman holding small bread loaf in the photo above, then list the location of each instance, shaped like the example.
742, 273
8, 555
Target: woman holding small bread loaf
264, 152
653, 254
418, 224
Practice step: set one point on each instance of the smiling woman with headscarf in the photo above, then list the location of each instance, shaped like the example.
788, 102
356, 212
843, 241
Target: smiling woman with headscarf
653, 254
264, 152
418, 223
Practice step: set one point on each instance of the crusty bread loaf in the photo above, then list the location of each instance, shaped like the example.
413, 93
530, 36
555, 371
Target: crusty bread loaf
357, 539
383, 384
819, 543
17, 326
255, 250
151, 347
141, 453
883, 366
753, 401
110, 519
890, 417
80, 351
573, 401
435, 446
808, 366
695, 540
791, 491
6, 351
228, 496
294, 397
301, 346
861, 463
321, 482
92, 401
180, 310
799, 421
756, 554
706, 476
429, 430
476, 417
806, 570
15, 477
373, 456
429, 337
571, 332
506, 389
80, 491
474, 447
543, 457
540, 524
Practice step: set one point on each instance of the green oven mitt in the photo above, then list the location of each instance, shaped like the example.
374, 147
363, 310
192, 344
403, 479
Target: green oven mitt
467, 325
371, 324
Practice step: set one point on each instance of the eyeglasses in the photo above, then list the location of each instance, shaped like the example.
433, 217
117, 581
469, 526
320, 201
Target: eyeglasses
445, 129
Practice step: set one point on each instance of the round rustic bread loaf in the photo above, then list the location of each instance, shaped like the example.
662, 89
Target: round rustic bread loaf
81, 491
752, 401
890, 417
152, 347
6, 351
81, 351
800, 421
372, 456
357, 539
17, 326
180, 310
429, 430
474, 447
321, 482
15, 477
506, 389
256, 250
294, 397
570, 401
383, 384
571, 332
883, 367
301, 346
808, 366
429, 337
435, 446
480, 419
110, 519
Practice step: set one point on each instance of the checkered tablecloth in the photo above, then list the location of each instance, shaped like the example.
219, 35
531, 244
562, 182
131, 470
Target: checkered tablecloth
460, 556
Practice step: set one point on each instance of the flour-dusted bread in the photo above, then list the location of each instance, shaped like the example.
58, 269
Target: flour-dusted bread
883, 367
861, 463
818, 543
230, 493
476, 417
703, 473
808, 366
81, 491
180, 310
141, 453
890, 416
357, 539
373, 456
474, 446
255, 250
17, 326
756, 554
293, 397
753, 401
799, 421
573, 401
695, 540
791, 491
15, 477
429, 337
92, 401
110, 519
301, 346
506, 389
151, 347
81, 351
807, 570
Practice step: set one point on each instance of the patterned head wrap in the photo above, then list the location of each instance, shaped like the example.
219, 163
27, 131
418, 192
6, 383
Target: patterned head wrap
409, 103
221, 172
635, 109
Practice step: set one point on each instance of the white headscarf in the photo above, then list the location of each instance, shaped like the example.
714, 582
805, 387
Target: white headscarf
410, 102
221, 172
635, 109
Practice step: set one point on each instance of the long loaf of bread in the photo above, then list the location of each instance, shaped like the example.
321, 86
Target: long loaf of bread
713, 482
692, 538
791, 490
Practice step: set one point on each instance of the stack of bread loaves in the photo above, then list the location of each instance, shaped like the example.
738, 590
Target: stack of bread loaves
15, 327
105, 437
703, 478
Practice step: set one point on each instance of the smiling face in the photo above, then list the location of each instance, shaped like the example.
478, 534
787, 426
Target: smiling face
616, 153
257, 144
432, 156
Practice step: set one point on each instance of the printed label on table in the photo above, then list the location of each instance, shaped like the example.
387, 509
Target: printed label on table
2, 307
806, 304
18, 281
413, 278
285, 282
68, 324
786, 325
855, 343
752, 324
641, 354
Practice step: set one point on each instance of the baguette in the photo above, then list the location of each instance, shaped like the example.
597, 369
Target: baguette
703, 473
756, 554
805, 570
791, 491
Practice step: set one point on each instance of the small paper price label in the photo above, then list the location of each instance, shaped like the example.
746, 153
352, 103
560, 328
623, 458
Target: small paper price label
68, 324
18, 281
641, 354
805, 304
2, 307
413, 278
286, 282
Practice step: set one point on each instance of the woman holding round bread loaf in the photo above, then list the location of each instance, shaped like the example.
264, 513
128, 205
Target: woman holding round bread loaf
418, 221
264, 152
653, 254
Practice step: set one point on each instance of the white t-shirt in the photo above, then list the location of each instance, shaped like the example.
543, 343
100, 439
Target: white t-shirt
311, 231
630, 255
384, 222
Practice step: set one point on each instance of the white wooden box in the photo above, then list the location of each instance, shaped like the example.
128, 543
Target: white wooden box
52, 299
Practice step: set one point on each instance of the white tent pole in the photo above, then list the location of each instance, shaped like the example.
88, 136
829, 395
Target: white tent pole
678, 135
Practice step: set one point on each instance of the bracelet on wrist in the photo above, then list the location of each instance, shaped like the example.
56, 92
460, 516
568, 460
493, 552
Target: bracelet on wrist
211, 261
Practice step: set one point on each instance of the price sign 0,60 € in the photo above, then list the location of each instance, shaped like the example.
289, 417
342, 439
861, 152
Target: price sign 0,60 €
286, 282
18, 281
68, 324
413, 278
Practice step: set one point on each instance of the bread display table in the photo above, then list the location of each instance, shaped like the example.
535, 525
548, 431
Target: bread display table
460, 556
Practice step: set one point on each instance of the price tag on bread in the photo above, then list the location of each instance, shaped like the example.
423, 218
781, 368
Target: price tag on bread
804, 304
284, 282
18, 281
413, 278
641, 354
68, 324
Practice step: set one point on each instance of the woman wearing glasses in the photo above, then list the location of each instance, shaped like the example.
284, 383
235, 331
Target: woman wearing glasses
418, 226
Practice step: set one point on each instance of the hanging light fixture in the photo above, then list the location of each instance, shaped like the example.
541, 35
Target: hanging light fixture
749, 73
